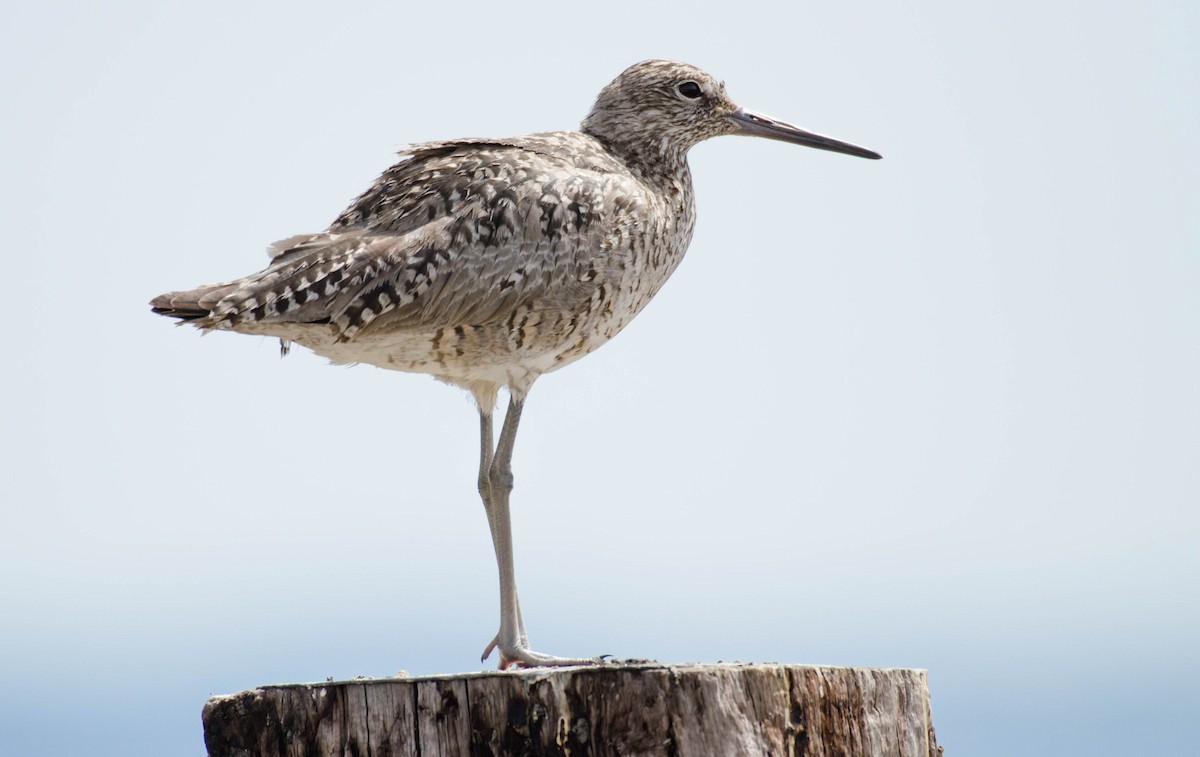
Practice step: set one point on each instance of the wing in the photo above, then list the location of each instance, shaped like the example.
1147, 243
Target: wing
459, 233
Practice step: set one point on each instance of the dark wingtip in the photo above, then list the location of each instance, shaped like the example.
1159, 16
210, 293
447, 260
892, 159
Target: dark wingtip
182, 315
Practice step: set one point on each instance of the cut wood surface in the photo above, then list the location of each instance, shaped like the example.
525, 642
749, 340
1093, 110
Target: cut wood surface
722, 710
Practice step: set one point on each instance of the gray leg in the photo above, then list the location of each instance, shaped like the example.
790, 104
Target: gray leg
495, 486
486, 453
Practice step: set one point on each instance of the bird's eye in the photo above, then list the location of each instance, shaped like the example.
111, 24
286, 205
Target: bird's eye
689, 89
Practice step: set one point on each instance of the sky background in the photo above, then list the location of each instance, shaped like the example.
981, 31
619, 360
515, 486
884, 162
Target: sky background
938, 411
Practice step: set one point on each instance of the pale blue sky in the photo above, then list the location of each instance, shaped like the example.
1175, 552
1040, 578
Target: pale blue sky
938, 411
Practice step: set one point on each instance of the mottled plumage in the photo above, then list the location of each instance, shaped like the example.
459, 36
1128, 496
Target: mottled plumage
489, 262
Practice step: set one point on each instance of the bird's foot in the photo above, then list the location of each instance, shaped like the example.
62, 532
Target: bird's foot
519, 655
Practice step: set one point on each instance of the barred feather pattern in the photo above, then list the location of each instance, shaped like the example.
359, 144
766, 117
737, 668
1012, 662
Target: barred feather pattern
483, 261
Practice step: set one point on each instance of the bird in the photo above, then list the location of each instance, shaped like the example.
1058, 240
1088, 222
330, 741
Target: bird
489, 262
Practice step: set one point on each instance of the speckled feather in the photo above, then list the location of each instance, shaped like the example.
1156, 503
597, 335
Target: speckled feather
489, 260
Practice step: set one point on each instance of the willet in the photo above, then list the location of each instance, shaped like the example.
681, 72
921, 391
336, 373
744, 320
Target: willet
489, 262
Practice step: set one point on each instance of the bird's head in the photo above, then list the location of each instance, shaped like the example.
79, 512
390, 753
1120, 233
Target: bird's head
662, 107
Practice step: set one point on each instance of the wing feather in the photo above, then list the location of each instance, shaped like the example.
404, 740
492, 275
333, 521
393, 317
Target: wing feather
459, 233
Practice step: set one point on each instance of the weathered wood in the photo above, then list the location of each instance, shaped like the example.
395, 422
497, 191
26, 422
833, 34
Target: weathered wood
642, 710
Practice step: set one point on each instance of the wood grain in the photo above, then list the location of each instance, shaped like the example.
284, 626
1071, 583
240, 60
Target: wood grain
632, 710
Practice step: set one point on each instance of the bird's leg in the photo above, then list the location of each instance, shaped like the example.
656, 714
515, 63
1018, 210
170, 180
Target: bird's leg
500, 483
512, 642
486, 453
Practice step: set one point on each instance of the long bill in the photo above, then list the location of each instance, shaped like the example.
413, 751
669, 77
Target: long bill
757, 125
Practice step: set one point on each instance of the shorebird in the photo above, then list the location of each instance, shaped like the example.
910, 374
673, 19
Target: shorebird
488, 262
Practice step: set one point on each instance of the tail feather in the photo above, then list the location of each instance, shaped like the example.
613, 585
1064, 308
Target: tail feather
192, 305
344, 279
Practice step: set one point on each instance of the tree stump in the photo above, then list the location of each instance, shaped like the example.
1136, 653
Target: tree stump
723, 710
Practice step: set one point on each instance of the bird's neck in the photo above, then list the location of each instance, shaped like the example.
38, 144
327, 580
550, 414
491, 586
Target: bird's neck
659, 162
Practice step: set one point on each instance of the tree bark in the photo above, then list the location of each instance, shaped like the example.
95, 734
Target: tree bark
723, 710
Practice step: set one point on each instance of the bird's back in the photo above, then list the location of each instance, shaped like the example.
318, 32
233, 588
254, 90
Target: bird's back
482, 259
